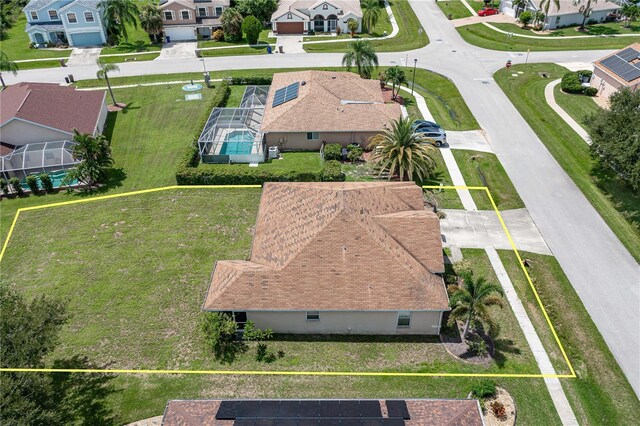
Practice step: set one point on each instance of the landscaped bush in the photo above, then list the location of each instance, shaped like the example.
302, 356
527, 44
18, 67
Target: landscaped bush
219, 332
251, 28
354, 153
240, 176
525, 18
478, 347
14, 182
572, 83
484, 389
332, 151
47, 184
498, 410
332, 172
254, 80
218, 35
590, 91
32, 181
4, 186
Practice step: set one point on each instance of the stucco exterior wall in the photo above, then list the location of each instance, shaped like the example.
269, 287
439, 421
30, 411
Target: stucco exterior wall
552, 22
18, 132
347, 322
177, 16
606, 84
298, 141
102, 118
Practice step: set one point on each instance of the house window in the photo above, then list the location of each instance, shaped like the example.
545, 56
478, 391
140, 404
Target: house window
404, 319
185, 14
313, 315
53, 15
34, 15
168, 15
312, 136
71, 17
88, 17
218, 10
202, 11
325, 7
289, 16
557, 21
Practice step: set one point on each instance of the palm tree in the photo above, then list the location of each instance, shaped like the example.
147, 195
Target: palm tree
94, 154
396, 76
519, 6
371, 11
362, 54
399, 150
6, 65
117, 14
151, 21
103, 74
586, 11
631, 11
545, 4
471, 302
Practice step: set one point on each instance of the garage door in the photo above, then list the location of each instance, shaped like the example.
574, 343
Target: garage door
86, 39
290, 27
180, 34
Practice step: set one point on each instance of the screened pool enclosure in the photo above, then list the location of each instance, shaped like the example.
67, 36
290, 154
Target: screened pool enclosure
232, 135
37, 158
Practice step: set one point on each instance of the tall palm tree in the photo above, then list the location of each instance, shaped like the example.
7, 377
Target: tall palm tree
545, 4
94, 154
585, 10
371, 12
631, 12
363, 56
399, 150
396, 76
151, 21
472, 300
117, 14
103, 74
519, 6
6, 65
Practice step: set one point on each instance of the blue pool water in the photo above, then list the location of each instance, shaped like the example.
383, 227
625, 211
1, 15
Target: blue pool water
56, 179
237, 143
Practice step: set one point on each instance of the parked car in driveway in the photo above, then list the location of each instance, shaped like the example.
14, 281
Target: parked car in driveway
434, 133
488, 11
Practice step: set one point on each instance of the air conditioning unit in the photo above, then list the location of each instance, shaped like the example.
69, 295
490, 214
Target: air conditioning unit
274, 152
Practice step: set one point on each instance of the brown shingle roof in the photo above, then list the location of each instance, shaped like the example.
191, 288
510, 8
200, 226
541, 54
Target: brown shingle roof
60, 107
337, 246
441, 412
323, 104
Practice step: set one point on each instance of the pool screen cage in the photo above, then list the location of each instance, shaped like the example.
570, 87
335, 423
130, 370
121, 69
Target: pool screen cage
37, 158
237, 126
255, 96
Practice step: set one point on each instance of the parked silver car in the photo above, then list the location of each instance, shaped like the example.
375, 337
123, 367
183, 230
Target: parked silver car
432, 131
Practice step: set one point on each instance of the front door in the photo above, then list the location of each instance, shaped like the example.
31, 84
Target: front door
332, 25
39, 38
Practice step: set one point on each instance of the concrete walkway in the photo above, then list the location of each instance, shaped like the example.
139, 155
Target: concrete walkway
84, 56
539, 353
551, 100
482, 229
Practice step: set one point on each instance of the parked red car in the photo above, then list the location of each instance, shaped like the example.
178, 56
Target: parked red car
488, 11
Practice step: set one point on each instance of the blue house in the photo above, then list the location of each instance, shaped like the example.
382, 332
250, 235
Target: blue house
73, 22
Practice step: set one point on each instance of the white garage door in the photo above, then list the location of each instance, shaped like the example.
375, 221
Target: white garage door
180, 34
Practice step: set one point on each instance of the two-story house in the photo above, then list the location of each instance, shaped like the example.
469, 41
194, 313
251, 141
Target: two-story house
184, 20
72, 22
302, 16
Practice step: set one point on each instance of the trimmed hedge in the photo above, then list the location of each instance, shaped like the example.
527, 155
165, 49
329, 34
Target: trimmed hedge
571, 83
332, 172
257, 80
332, 151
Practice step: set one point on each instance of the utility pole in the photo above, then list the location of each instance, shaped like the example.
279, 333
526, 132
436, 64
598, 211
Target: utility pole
413, 83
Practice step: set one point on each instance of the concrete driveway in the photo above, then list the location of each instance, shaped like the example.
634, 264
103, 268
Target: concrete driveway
83, 56
290, 43
178, 50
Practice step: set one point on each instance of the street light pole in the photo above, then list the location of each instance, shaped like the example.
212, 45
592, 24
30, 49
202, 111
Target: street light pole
204, 66
413, 83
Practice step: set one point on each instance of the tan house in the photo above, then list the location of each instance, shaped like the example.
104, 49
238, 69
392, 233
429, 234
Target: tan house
390, 412
338, 258
302, 16
185, 20
568, 14
306, 108
617, 70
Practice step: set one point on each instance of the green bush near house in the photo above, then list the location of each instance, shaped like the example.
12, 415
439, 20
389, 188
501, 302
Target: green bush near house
332, 151
14, 182
484, 389
32, 181
255, 80
332, 172
572, 83
47, 184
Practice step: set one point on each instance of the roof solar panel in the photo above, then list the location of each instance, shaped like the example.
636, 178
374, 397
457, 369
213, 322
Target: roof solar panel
329, 408
227, 410
309, 409
393, 422
351, 422
397, 408
629, 54
244, 422
269, 409
265, 422
289, 409
329, 422
372, 422
287, 422
370, 408
621, 68
285, 94
278, 97
349, 409
248, 409
308, 422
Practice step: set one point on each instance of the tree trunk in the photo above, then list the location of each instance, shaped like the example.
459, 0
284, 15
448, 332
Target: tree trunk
4, 86
113, 98
466, 327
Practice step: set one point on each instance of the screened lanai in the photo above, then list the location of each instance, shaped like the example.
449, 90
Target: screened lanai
37, 158
254, 96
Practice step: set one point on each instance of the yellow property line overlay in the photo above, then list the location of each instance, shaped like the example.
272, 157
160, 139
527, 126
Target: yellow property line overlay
294, 373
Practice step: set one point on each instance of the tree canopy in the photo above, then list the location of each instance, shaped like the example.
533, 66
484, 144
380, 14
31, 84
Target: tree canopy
615, 135
361, 54
251, 28
261, 9
231, 21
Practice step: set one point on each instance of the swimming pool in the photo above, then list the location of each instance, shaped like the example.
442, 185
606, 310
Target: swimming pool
237, 142
56, 178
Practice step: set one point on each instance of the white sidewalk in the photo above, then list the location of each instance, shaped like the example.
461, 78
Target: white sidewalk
551, 100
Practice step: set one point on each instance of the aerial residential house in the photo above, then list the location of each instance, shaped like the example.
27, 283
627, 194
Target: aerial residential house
617, 70
302, 16
390, 412
37, 122
569, 13
338, 258
73, 22
185, 20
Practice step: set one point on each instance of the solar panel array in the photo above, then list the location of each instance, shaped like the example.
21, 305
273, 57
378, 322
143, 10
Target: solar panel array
285, 94
621, 65
312, 413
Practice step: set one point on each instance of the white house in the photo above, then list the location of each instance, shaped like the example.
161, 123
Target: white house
569, 13
302, 16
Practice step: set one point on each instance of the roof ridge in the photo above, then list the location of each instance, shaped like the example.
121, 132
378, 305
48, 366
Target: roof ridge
460, 412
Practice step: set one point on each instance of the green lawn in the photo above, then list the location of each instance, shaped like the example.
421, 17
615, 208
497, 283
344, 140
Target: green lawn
128, 58
137, 39
235, 96
484, 169
482, 36
16, 44
53, 63
408, 38
601, 394
577, 106
618, 205
263, 38
236, 51
609, 28
455, 8
291, 161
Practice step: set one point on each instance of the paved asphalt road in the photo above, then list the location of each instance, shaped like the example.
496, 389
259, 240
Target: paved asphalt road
603, 273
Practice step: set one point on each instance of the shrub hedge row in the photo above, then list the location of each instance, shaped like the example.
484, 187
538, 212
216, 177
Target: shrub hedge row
571, 83
256, 80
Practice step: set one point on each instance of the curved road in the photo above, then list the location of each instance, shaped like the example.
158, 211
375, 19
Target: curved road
603, 273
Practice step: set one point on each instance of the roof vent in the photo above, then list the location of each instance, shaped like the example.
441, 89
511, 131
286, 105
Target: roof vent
333, 77
302, 83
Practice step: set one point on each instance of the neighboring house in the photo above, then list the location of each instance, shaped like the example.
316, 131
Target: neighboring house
302, 16
338, 258
184, 20
324, 106
392, 412
568, 14
37, 122
617, 70
73, 22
